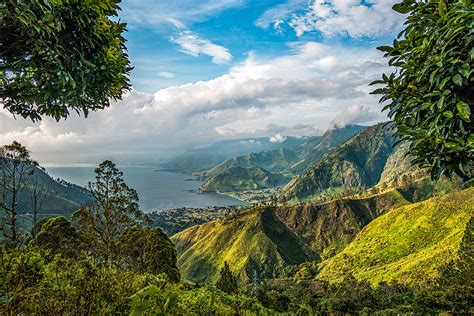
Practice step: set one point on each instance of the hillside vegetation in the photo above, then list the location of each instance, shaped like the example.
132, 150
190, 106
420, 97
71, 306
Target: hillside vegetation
266, 239
243, 241
412, 244
239, 179
62, 197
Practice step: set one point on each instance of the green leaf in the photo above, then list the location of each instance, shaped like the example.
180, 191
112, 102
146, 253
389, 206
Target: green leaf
465, 70
442, 8
448, 114
457, 79
464, 110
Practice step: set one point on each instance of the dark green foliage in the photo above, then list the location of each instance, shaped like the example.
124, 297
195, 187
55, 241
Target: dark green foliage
146, 250
61, 55
113, 211
35, 282
431, 95
58, 235
227, 281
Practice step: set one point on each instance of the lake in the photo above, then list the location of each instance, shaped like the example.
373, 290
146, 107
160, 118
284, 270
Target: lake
157, 190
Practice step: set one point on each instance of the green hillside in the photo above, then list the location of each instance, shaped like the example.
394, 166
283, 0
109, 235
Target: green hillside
239, 179
358, 162
327, 228
413, 244
249, 241
266, 239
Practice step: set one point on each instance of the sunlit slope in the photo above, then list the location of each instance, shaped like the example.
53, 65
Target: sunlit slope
327, 228
250, 241
412, 244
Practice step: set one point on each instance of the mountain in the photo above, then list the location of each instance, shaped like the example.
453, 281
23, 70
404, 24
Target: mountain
290, 160
359, 162
62, 197
416, 244
202, 159
252, 241
399, 167
265, 239
239, 179
58, 198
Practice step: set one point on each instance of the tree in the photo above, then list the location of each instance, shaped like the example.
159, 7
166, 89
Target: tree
113, 211
431, 94
15, 168
58, 56
58, 235
146, 250
227, 281
38, 197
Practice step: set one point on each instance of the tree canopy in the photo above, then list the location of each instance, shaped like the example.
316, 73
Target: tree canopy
431, 94
61, 55
114, 210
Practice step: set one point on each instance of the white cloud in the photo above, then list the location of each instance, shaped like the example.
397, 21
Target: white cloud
358, 114
295, 94
278, 138
276, 15
354, 18
166, 74
194, 45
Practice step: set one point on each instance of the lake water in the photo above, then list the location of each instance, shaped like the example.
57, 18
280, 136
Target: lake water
157, 190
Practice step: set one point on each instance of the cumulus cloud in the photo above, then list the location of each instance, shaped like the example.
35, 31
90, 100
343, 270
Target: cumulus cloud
194, 45
295, 94
278, 138
357, 114
354, 18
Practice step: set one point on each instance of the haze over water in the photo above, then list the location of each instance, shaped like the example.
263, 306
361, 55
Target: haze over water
157, 190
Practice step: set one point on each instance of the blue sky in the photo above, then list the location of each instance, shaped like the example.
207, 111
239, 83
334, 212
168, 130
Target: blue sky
207, 70
238, 26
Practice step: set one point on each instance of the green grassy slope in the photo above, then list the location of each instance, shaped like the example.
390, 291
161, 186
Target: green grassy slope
358, 162
327, 228
267, 238
411, 244
250, 241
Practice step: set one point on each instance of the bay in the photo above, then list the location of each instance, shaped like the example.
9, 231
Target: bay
157, 190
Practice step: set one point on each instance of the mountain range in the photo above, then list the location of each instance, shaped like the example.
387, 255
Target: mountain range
202, 159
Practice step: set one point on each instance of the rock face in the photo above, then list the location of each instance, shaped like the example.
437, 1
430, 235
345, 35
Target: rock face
358, 162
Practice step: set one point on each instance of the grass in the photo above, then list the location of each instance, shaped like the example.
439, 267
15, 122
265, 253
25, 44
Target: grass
412, 244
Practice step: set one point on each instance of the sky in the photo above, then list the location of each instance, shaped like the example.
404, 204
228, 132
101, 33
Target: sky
207, 70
